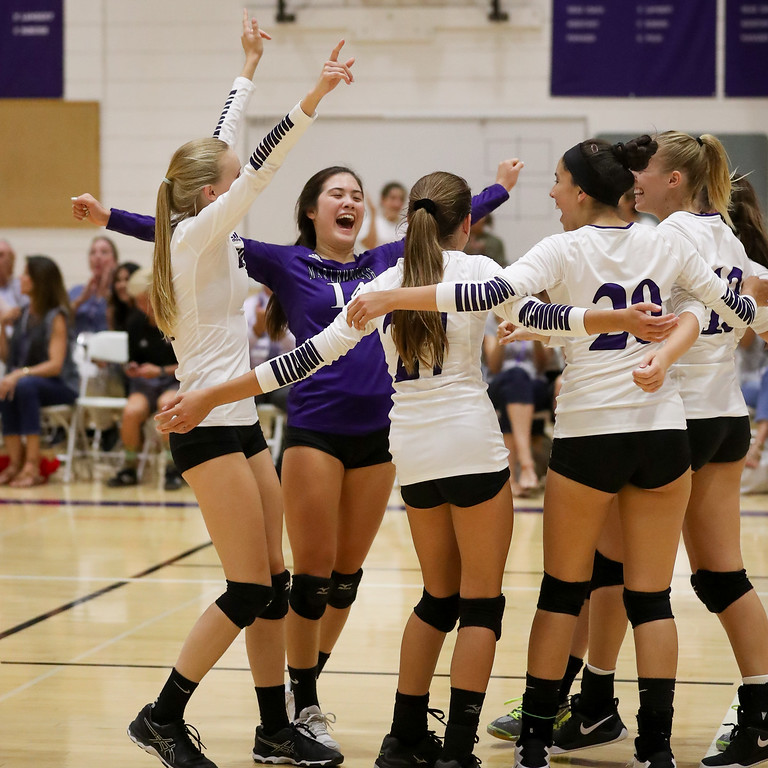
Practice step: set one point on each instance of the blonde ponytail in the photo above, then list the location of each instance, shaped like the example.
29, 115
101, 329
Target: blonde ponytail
193, 166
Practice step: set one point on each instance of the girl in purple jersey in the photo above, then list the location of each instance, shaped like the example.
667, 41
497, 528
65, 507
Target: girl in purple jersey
197, 294
337, 420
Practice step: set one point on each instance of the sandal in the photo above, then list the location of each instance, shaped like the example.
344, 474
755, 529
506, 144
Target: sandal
27, 478
8, 474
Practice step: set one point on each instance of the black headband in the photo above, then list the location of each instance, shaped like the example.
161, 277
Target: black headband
427, 204
588, 179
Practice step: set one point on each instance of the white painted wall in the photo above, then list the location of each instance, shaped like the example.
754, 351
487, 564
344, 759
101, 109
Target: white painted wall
160, 69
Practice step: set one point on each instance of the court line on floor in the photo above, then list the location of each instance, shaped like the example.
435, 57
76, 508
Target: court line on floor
339, 672
100, 592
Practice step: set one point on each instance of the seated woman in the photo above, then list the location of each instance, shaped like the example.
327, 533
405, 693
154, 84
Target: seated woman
41, 370
151, 381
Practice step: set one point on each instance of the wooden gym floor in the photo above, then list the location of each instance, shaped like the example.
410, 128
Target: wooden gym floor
98, 588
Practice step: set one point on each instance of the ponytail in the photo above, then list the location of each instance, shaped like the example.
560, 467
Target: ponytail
438, 204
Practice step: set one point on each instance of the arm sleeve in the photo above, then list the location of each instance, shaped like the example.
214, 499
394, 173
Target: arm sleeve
681, 301
228, 127
221, 217
322, 349
698, 278
132, 224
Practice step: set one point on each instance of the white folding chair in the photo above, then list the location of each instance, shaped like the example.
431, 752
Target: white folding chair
104, 346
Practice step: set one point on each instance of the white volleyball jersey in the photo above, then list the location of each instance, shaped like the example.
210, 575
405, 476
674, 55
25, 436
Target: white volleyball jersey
610, 268
442, 421
211, 283
706, 374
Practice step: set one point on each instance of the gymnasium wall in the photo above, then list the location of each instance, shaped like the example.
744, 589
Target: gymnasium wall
160, 70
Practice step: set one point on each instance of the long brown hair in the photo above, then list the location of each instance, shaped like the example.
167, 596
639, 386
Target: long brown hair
748, 221
48, 291
705, 164
275, 318
193, 166
437, 205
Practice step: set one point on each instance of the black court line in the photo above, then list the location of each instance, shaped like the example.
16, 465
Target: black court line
100, 592
83, 503
354, 673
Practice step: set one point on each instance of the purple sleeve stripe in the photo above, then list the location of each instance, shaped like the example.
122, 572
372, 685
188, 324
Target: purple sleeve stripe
269, 142
227, 105
743, 308
546, 317
296, 364
480, 297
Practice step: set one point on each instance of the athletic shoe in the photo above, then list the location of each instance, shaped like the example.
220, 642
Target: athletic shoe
290, 702
473, 761
171, 743
395, 754
724, 740
532, 754
293, 745
317, 723
507, 727
124, 478
173, 479
657, 760
747, 746
581, 732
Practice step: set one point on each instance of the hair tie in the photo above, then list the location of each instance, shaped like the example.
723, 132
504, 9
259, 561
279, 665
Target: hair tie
428, 205
166, 181
701, 143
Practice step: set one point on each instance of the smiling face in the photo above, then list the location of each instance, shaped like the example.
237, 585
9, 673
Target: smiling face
654, 190
101, 257
338, 214
565, 193
393, 203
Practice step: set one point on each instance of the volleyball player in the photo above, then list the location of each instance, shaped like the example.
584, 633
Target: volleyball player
197, 294
612, 440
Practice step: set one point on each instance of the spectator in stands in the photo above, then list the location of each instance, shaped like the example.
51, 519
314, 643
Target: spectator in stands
483, 241
89, 300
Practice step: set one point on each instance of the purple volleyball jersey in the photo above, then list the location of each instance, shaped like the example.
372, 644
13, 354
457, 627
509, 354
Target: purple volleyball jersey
353, 396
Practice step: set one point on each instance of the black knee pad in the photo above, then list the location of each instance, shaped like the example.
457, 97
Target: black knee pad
557, 596
278, 608
344, 588
719, 589
243, 603
606, 572
482, 612
643, 607
442, 613
309, 595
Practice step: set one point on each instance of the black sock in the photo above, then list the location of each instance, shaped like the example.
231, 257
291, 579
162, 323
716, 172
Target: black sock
322, 657
173, 699
596, 693
304, 687
574, 666
539, 708
753, 705
654, 718
272, 708
463, 719
409, 721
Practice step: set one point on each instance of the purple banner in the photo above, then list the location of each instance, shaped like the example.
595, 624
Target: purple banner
746, 48
31, 49
633, 48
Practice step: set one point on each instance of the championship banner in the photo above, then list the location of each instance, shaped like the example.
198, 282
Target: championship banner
633, 48
31, 49
746, 48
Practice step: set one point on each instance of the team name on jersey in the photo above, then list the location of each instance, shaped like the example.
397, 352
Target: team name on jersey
333, 275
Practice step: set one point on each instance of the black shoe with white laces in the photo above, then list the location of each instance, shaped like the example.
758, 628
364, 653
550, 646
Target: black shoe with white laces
173, 479
171, 743
663, 759
747, 746
293, 745
395, 754
125, 478
473, 761
581, 731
